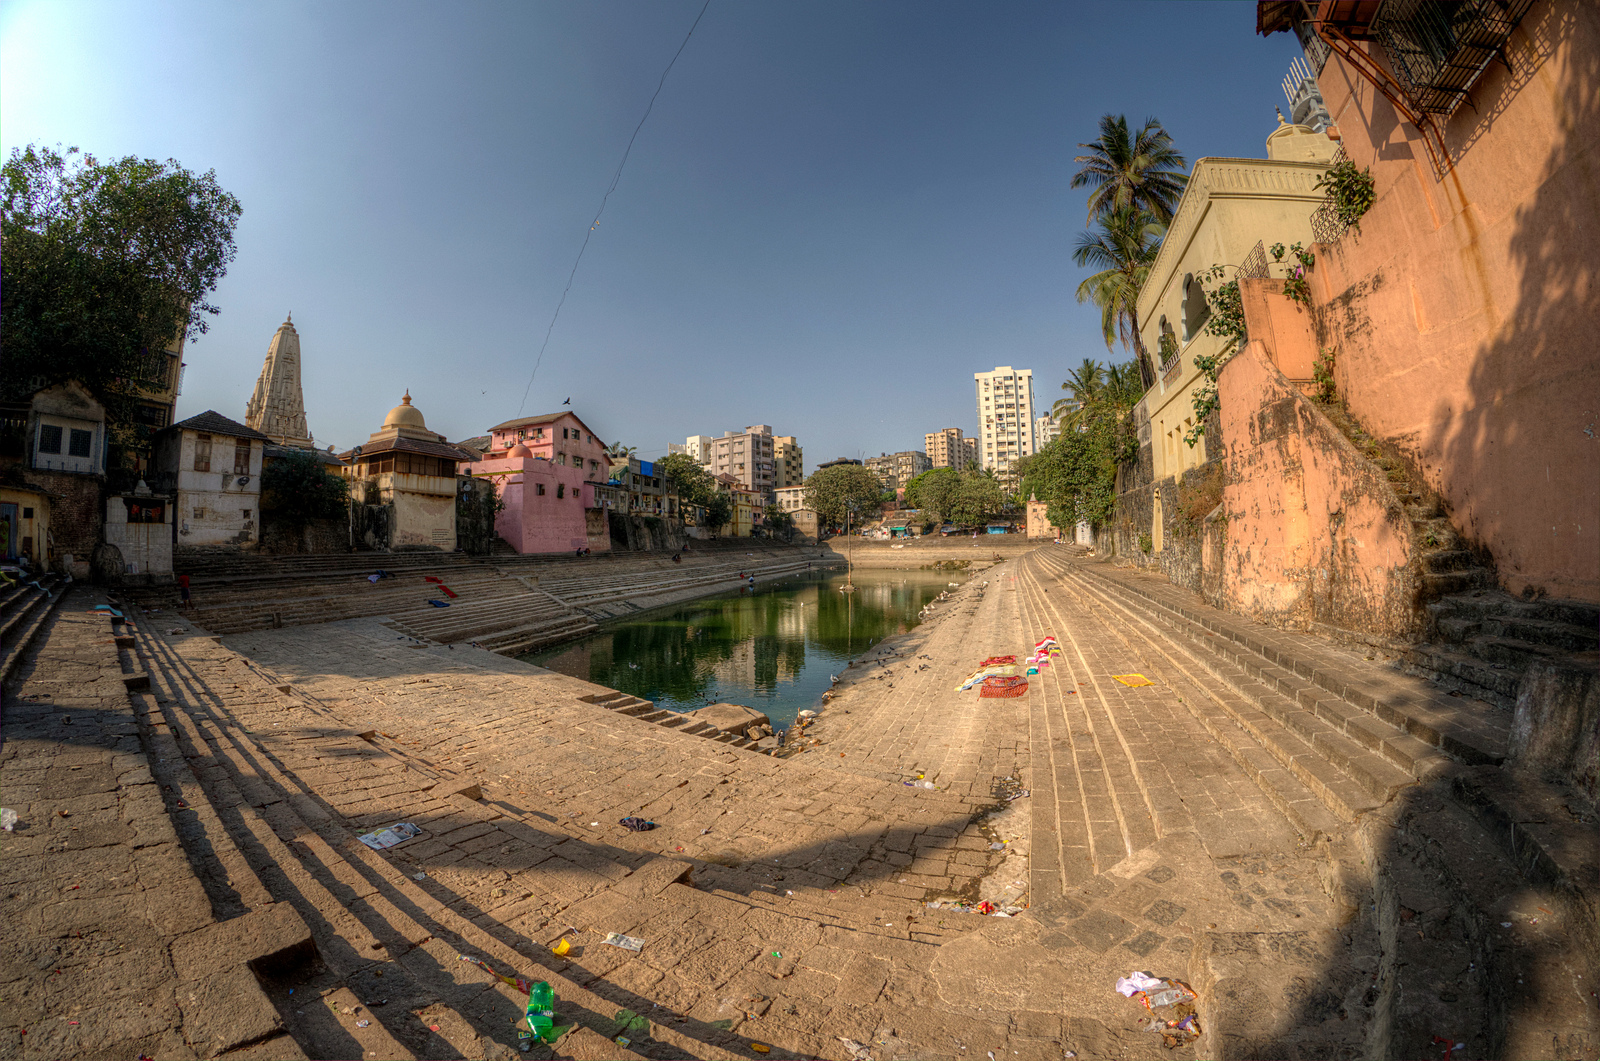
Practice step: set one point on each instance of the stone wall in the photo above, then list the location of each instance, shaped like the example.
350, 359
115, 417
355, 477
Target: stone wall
318, 536
77, 512
644, 533
1314, 531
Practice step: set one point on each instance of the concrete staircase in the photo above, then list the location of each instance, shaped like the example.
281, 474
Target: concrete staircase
1483, 641
1477, 882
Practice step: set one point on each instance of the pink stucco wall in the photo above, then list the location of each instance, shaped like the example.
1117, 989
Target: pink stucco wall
551, 522
1465, 311
1314, 532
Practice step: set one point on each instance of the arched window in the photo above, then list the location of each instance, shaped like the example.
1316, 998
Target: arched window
1196, 311
1168, 343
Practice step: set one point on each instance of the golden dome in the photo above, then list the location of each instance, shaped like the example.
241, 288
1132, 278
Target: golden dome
405, 415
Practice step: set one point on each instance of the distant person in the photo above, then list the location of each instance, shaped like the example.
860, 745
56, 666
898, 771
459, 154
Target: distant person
752, 582
677, 559
183, 590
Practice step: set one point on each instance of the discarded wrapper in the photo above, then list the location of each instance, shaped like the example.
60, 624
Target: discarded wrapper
617, 939
562, 948
1133, 681
637, 825
857, 1050
397, 833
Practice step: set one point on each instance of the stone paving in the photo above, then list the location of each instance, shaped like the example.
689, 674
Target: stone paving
789, 907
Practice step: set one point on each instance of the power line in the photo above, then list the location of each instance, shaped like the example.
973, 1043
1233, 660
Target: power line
605, 199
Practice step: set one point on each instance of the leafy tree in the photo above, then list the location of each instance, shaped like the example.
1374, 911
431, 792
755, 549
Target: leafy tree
1140, 170
830, 491
934, 493
719, 510
977, 498
298, 488
777, 521
687, 478
1076, 474
618, 452
104, 261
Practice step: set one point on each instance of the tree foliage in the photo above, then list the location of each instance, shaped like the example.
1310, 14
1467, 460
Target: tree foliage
1076, 473
104, 261
297, 488
830, 491
778, 522
945, 495
687, 478
1139, 170
1121, 249
719, 510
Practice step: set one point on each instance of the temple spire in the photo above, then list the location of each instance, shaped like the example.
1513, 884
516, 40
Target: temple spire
277, 409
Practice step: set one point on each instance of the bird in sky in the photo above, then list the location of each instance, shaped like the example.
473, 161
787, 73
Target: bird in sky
567, 402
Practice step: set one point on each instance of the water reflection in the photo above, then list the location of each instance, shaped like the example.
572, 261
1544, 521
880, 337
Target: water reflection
773, 649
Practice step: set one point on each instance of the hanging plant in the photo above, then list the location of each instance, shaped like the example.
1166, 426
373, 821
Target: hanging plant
1350, 190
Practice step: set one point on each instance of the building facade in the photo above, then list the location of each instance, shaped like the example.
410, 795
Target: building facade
747, 456
746, 503
67, 442
1046, 430
894, 470
277, 407
788, 462
698, 447
1005, 419
211, 467
550, 471
411, 470
948, 448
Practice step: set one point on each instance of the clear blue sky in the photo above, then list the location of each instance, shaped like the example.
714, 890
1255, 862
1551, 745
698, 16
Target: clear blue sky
835, 215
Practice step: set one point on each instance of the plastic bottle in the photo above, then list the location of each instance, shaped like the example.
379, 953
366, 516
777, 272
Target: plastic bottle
541, 1010
1164, 997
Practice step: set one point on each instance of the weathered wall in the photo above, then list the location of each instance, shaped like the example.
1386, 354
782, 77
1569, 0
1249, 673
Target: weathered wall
317, 536
1283, 326
76, 512
1314, 532
423, 522
1464, 310
145, 548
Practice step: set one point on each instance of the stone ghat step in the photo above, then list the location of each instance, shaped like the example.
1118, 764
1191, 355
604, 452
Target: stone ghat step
1303, 667
1472, 933
1351, 762
28, 613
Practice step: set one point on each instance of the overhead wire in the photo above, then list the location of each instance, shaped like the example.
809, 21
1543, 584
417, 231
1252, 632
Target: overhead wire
616, 177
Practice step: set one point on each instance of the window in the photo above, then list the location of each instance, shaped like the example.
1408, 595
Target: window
561, 489
202, 454
78, 443
1196, 311
245, 512
27, 513
241, 457
199, 512
49, 438
539, 487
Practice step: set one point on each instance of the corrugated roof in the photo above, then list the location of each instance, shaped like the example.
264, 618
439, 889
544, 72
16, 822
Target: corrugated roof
213, 422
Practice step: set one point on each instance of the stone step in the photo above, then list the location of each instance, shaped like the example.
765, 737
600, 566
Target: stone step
1440, 584
1461, 727
23, 626
1464, 672
1567, 637
1441, 561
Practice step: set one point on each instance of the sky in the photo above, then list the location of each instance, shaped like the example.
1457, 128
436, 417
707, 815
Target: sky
834, 215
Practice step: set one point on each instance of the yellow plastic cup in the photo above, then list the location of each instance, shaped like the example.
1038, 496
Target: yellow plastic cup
562, 948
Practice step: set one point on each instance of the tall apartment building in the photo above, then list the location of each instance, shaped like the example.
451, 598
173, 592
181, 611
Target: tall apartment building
696, 446
894, 470
1005, 418
1046, 430
948, 449
789, 465
748, 457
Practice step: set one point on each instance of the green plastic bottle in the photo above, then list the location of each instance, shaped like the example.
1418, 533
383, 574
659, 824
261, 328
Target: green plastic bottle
541, 1010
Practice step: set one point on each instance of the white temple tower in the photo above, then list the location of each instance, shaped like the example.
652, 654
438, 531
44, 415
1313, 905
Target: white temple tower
277, 409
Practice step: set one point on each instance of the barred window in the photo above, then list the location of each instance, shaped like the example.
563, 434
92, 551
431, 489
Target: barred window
202, 454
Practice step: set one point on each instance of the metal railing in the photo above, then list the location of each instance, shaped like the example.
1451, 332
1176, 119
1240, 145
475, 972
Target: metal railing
1326, 224
1438, 49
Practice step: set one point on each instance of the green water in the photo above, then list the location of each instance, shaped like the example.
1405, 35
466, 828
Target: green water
774, 649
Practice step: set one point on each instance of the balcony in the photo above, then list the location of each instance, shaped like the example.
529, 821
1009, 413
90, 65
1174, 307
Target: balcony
1438, 50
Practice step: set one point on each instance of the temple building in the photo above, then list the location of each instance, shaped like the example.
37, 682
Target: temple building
277, 409
412, 470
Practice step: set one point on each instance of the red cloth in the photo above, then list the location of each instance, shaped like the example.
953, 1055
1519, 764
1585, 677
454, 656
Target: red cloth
1004, 687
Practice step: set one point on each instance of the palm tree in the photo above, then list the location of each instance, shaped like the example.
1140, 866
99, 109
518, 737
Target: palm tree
1085, 383
620, 452
1141, 170
1122, 250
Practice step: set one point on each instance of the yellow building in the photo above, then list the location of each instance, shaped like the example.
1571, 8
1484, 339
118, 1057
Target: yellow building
746, 502
789, 466
1232, 211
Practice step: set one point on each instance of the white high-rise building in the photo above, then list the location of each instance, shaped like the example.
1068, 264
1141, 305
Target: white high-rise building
1046, 430
1005, 418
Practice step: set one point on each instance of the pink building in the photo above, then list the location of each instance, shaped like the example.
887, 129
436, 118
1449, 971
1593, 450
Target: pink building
545, 469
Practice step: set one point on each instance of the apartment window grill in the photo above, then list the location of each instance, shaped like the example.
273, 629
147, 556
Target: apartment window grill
1438, 48
1326, 225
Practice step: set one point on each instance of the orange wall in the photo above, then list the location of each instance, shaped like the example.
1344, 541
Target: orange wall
1466, 312
1314, 533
